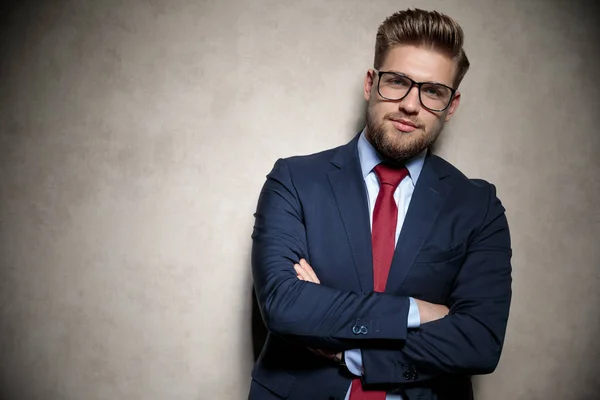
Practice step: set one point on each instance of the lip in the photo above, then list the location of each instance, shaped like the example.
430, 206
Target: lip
404, 125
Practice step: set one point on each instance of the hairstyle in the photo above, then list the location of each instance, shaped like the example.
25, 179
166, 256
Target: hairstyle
423, 28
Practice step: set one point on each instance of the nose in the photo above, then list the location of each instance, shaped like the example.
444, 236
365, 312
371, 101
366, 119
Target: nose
410, 104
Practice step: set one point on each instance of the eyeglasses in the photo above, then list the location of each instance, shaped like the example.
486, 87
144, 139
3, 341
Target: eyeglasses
433, 96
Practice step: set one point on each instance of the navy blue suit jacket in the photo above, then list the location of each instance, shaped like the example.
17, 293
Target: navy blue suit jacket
454, 249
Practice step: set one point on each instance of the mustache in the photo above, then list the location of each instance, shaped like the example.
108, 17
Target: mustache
397, 116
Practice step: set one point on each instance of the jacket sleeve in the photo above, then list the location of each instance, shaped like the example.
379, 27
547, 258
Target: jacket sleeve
293, 307
469, 340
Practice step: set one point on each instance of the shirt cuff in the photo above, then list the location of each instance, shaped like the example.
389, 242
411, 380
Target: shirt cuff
353, 359
414, 318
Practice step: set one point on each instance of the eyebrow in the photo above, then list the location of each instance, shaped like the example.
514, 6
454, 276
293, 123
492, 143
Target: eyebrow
409, 76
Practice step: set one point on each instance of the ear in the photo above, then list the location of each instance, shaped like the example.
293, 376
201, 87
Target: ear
453, 106
368, 84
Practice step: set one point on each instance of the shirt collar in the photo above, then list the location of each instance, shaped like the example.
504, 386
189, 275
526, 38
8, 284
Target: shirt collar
369, 158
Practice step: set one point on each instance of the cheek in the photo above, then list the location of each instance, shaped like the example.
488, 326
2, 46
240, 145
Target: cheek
432, 121
378, 110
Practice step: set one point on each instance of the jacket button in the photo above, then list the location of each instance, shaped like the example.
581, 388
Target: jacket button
360, 330
410, 374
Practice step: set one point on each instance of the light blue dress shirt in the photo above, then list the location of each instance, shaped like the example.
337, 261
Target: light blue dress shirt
369, 158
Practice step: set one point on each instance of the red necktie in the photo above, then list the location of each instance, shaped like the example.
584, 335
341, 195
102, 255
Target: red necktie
383, 236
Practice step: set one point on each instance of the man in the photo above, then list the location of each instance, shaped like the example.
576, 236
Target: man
381, 271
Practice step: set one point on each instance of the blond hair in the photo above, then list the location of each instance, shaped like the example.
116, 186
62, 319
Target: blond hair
423, 28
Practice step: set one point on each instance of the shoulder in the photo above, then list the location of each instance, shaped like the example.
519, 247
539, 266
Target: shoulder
304, 171
316, 163
312, 161
470, 190
474, 199
455, 177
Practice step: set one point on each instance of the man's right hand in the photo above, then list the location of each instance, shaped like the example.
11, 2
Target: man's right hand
430, 312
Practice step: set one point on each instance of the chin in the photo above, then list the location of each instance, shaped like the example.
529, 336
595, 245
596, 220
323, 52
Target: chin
401, 146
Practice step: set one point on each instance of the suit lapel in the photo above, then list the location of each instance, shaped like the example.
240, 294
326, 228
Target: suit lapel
426, 202
351, 198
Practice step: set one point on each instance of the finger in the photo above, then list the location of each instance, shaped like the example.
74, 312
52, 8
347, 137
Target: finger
322, 353
315, 351
298, 272
309, 270
305, 274
301, 273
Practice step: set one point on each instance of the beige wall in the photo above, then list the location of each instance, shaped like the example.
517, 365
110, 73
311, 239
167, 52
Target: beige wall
134, 139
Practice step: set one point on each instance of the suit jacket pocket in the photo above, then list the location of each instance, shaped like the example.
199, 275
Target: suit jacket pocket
277, 381
431, 255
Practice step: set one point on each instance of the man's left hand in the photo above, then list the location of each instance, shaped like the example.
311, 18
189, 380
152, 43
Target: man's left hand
304, 272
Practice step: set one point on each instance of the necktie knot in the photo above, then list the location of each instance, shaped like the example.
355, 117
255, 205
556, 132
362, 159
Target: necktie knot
389, 175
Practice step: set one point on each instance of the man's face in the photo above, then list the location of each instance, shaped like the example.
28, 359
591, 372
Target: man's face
401, 129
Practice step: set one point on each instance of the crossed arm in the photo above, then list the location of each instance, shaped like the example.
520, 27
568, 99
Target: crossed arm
428, 312
467, 341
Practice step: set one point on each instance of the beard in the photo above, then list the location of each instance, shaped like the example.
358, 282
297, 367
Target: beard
396, 146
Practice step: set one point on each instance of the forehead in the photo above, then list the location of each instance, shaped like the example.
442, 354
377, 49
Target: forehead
420, 63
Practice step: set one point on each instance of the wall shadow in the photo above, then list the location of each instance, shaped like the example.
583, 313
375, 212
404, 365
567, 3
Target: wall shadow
359, 111
436, 147
259, 330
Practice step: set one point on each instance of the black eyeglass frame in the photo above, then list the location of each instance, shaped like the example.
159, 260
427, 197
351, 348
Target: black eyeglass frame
413, 83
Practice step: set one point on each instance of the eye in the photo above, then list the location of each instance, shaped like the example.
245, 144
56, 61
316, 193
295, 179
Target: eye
399, 82
433, 91
396, 81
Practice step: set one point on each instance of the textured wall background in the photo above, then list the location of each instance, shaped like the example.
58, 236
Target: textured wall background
135, 137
